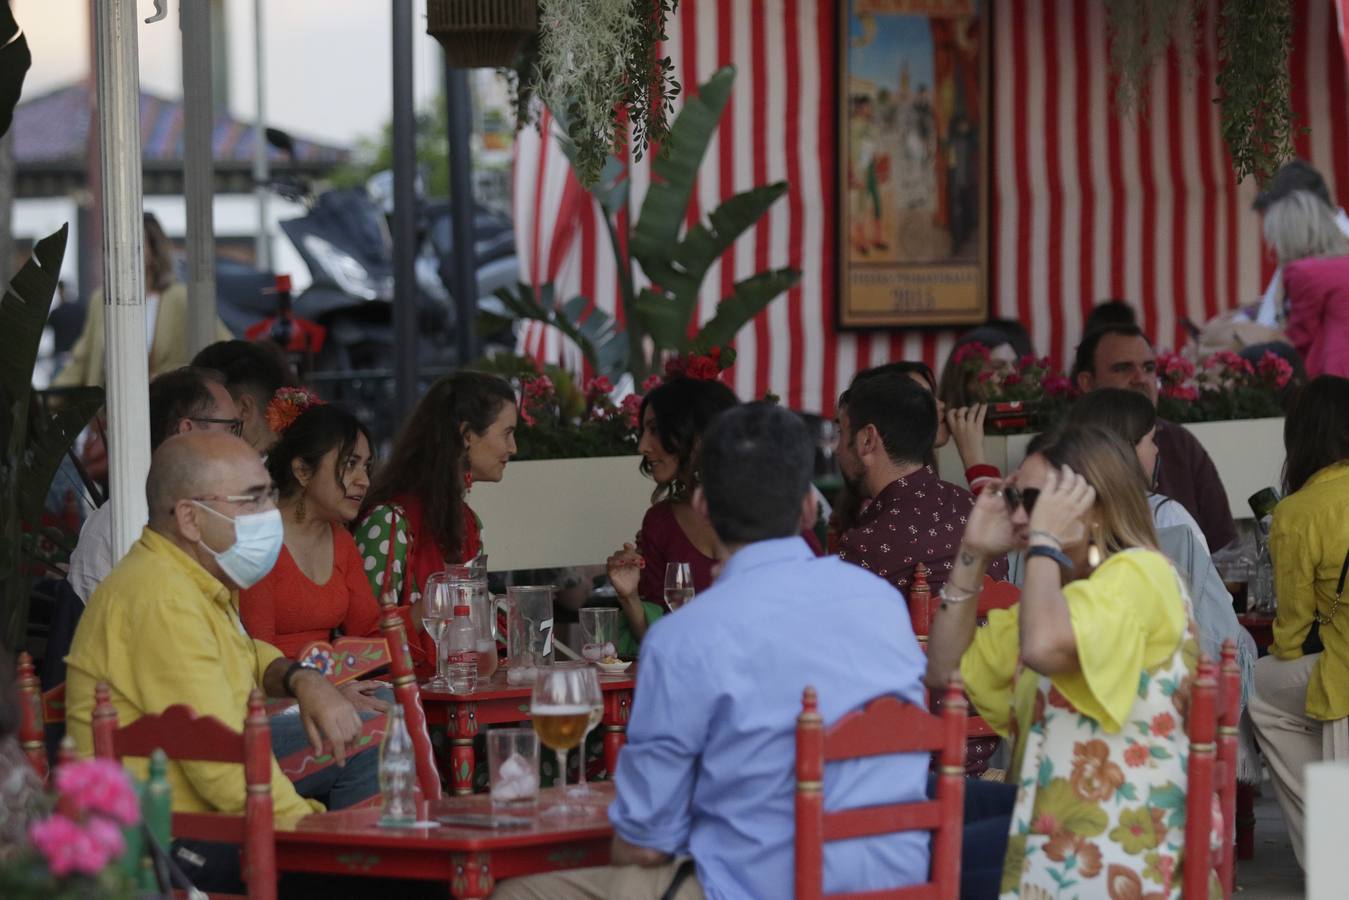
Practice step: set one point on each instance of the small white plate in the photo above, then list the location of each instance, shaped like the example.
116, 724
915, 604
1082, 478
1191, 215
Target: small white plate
617, 668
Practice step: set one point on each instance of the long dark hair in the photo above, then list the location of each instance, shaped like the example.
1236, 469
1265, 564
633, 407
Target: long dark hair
429, 457
683, 408
1316, 432
309, 438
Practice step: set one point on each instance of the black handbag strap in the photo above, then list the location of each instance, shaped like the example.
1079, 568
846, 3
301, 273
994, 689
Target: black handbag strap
1344, 570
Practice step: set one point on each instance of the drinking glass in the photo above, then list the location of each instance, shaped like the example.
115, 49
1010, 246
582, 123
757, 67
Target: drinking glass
513, 769
560, 709
590, 684
438, 599
599, 626
678, 584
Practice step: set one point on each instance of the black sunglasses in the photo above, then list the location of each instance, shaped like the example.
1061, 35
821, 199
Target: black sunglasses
236, 426
1017, 498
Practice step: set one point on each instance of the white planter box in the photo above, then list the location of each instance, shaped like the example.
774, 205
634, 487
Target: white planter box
561, 512
1247, 452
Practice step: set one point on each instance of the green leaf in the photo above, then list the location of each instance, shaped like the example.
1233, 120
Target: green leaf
1159, 753
749, 298
1046, 771
662, 318
1126, 791
674, 174
1168, 796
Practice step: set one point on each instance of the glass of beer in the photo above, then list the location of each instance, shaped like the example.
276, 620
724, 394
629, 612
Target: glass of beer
560, 708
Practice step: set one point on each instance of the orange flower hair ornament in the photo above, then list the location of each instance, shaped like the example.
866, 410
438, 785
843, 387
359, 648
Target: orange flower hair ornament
286, 406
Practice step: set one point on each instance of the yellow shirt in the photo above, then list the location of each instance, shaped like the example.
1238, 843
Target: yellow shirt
162, 630
1307, 543
1128, 616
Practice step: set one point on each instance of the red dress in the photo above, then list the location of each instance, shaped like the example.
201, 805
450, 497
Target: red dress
288, 610
662, 540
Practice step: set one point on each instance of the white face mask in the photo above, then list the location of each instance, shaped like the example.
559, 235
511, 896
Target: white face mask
257, 543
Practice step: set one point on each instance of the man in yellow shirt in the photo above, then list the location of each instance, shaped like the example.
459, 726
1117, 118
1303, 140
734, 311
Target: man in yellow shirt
163, 628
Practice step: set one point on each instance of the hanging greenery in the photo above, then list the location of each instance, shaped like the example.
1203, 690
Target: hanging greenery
1254, 38
595, 62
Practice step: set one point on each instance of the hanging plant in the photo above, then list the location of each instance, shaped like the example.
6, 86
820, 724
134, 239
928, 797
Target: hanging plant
594, 62
1254, 38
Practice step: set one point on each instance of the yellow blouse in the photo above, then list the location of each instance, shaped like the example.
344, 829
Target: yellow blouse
1307, 543
1127, 617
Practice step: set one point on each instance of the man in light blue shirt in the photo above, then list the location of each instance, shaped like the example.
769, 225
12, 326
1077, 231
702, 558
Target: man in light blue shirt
708, 771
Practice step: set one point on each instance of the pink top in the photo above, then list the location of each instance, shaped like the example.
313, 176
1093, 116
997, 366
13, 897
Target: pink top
1318, 313
663, 541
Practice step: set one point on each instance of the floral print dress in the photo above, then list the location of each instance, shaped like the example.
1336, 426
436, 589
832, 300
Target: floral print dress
1101, 754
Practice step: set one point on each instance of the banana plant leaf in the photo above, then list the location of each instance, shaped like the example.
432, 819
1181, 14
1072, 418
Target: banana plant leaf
667, 200
595, 333
749, 298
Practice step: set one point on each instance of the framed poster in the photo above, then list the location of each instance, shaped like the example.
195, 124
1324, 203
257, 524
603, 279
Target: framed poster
913, 104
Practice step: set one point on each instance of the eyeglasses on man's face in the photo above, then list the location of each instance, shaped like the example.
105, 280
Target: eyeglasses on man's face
252, 502
235, 426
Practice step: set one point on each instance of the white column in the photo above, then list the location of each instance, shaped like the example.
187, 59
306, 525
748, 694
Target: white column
199, 172
118, 81
263, 245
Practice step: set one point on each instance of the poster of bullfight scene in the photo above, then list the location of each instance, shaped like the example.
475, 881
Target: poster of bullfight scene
913, 211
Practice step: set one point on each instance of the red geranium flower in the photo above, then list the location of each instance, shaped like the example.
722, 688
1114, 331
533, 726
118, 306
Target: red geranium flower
703, 368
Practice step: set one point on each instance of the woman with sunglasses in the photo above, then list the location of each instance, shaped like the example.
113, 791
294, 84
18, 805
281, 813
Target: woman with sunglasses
317, 589
1088, 675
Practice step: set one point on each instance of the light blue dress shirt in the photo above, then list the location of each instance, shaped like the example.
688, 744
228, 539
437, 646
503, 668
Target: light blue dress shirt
708, 770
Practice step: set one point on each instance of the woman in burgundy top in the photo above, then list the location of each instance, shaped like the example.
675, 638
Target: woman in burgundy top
673, 418
321, 466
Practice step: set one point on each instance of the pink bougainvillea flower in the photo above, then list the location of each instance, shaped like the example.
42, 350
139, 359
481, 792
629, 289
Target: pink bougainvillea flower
652, 382
703, 368
630, 408
1275, 368
101, 787
599, 386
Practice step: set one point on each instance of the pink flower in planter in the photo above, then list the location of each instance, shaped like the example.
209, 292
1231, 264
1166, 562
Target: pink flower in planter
1275, 368
630, 408
1230, 361
99, 787
1057, 385
971, 351
69, 848
1180, 392
652, 382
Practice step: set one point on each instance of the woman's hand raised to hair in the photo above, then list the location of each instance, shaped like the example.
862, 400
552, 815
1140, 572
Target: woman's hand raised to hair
1062, 507
988, 531
966, 425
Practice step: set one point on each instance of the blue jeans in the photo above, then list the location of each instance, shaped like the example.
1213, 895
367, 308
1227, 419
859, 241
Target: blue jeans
988, 819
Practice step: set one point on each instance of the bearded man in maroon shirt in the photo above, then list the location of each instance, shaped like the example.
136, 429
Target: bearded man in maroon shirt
887, 426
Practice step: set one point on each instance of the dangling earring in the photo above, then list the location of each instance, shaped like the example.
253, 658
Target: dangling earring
299, 511
1093, 550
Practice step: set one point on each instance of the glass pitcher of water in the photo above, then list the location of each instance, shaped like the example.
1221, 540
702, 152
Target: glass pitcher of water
470, 582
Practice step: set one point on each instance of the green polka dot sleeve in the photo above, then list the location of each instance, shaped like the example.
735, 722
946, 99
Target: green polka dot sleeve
382, 533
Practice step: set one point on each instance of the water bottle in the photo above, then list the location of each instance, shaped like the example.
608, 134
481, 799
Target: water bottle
1260, 597
397, 772
461, 652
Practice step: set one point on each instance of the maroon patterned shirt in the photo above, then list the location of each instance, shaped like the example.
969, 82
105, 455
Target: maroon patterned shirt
917, 519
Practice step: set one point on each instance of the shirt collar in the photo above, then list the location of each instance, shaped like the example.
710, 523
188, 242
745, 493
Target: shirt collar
901, 486
764, 553
210, 586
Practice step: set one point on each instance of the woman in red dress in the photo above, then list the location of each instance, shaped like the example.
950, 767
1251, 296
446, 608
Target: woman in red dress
321, 467
416, 519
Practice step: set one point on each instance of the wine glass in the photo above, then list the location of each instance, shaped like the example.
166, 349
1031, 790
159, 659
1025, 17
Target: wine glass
437, 611
678, 584
590, 685
560, 709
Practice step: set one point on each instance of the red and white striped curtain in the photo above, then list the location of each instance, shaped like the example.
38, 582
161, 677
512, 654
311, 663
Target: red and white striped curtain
1084, 204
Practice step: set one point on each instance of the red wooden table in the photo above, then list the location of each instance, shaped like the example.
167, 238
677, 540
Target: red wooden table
470, 860
500, 703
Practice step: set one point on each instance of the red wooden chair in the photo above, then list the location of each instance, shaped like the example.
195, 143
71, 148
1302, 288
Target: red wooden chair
183, 735
883, 726
409, 697
1215, 700
347, 658
32, 735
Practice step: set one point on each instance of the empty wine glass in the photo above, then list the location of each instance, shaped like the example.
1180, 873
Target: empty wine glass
678, 584
437, 610
590, 685
560, 709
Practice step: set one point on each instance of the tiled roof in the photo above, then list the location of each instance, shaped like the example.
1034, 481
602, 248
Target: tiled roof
53, 130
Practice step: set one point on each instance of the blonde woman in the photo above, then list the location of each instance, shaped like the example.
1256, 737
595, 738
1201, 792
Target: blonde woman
165, 320
1088, 676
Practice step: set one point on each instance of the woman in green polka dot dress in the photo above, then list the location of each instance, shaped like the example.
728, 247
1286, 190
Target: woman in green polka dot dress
416, 519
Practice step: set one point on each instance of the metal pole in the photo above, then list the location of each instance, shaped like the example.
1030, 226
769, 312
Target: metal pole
404, 212
464, 264
123, 268
261, 176
199, 172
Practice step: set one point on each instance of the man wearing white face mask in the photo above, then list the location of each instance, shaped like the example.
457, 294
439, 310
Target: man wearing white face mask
163, 628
